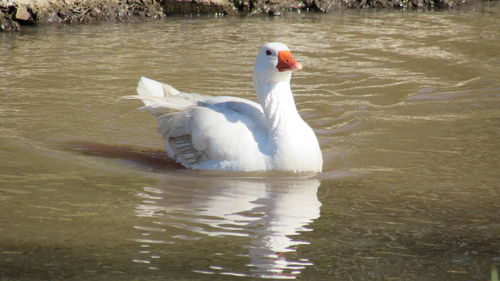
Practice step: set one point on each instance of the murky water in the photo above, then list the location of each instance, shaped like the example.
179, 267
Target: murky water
406, 107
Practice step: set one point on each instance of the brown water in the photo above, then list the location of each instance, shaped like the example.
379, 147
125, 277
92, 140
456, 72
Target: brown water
406, 106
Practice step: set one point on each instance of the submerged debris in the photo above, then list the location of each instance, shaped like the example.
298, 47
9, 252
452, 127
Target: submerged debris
15, 13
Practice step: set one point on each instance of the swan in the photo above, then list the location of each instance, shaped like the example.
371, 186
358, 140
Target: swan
231, 133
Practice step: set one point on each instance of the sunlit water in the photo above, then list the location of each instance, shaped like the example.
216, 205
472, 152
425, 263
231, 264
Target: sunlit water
406, 106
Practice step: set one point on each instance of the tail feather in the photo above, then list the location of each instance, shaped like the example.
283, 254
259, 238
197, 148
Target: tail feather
172, 110
169, 90
150, 88
161, 98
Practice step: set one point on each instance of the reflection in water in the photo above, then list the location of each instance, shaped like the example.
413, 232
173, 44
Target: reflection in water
269, 212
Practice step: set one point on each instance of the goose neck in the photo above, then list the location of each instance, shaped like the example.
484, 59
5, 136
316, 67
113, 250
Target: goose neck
277, 103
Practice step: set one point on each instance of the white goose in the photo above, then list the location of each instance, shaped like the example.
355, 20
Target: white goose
230, 133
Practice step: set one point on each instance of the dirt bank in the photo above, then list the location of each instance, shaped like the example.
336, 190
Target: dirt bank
16, 13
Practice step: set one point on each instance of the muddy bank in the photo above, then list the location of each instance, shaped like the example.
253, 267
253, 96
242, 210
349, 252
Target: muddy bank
16, 13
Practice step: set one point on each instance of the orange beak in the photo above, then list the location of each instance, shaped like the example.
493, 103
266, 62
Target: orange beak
286, 62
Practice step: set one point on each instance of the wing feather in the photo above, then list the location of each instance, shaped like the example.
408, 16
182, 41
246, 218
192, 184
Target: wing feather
197, 129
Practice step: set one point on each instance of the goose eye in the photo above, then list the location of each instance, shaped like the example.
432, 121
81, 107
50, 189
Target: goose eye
268, 52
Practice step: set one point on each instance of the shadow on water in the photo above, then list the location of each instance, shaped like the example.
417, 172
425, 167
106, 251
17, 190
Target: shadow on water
147, 158
252, 217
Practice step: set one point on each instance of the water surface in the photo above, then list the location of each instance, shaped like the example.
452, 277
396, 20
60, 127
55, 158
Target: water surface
406, 106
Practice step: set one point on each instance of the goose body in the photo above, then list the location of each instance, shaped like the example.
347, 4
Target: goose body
230, 133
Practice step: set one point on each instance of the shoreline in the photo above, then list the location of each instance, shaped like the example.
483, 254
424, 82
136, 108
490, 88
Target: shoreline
16, 13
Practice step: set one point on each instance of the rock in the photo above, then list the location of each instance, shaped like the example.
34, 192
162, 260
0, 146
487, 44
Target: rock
7, 23
269, 7
22, 14
321, 5
192, 7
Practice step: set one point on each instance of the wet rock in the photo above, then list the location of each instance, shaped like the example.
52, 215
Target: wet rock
269, 7
7, 23
22, 14
196, 7
322, 5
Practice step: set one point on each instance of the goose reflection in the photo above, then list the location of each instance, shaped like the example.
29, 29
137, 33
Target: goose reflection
271, 212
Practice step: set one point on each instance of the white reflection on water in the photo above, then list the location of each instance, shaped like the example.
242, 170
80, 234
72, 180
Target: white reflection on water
269, 212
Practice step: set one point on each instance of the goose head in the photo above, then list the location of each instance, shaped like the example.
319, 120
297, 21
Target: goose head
274, 63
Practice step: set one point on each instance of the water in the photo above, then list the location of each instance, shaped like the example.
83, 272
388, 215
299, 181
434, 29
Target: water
406, 106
